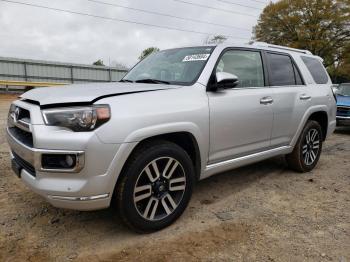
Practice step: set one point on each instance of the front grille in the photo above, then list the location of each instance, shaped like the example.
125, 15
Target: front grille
19, 117
23, 136
24, 164
343, 111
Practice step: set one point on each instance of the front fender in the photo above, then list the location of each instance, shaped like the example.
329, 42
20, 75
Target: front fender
137, 136
155, 130
168, 128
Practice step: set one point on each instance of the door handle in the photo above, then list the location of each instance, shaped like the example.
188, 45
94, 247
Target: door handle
266, 100
304, 97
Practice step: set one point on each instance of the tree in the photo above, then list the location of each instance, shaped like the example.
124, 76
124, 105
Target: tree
147, 52
216, 39
340, 71
320, 26
99, 63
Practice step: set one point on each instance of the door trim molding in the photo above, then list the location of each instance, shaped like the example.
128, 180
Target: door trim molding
244, 160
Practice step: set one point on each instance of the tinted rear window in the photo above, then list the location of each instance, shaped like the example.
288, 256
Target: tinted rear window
281, 71
316, 69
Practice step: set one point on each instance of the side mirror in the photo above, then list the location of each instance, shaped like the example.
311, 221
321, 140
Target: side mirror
226, 80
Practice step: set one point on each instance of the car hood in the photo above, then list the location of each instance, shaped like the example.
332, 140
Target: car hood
343, 100
88, 93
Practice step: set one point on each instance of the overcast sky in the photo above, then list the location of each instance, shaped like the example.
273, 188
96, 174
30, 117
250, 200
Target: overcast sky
28, 32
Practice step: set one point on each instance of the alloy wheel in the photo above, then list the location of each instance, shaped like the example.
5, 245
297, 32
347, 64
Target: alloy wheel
160, 188
311, 147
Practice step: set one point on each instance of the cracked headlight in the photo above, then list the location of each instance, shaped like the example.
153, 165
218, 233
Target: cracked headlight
78, 119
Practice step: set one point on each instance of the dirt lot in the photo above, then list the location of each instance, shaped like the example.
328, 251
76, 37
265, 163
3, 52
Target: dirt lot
262, 212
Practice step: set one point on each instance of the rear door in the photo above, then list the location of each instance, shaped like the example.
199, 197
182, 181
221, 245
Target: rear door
291, 97
241, 117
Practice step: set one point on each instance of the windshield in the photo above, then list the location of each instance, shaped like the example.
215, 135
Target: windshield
180, 66
344, 90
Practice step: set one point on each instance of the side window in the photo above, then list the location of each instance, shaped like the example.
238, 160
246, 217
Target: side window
299, 80
281, 70
316, 69
246, 65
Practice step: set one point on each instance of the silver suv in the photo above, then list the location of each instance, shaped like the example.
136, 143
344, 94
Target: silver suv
179, 116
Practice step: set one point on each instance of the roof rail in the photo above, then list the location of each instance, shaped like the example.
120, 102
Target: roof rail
263, 44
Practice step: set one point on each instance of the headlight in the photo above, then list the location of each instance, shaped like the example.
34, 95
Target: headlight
78, 119
11, 111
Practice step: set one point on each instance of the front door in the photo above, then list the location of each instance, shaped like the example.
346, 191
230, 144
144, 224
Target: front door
240, 118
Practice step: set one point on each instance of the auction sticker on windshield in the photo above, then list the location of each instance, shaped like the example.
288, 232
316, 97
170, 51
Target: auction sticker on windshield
197, 57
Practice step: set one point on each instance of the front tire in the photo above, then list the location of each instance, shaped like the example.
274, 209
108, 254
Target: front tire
308, 148
155, 187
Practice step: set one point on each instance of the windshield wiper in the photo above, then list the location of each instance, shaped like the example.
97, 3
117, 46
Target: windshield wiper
126, 80
152, 81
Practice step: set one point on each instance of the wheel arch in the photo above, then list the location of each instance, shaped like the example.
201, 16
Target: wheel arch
318, 114
321, 117
183, 139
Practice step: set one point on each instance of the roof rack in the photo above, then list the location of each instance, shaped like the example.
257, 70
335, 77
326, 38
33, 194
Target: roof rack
263, 44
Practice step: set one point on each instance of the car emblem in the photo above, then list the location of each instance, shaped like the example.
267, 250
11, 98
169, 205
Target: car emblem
16, 114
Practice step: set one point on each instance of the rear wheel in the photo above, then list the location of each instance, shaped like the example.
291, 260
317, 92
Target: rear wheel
308, 149
156, 186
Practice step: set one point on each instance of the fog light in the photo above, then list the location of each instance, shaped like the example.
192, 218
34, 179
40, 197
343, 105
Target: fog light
70, 161
57, 161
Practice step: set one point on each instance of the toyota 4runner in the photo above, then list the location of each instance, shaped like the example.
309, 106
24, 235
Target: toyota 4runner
179, 116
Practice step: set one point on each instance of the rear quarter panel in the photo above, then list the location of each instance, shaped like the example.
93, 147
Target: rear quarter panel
322, 99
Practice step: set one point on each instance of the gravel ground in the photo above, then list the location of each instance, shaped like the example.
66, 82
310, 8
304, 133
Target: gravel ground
262, 212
